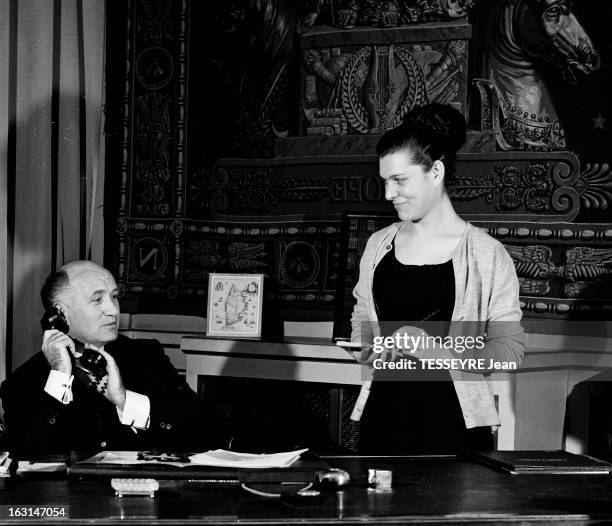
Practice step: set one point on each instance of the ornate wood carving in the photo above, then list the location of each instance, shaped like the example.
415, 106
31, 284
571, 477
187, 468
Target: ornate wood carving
521, 186
174, 222
362, 82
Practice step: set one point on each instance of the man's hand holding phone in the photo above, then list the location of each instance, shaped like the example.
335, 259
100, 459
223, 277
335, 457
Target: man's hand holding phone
57, 348
114, 390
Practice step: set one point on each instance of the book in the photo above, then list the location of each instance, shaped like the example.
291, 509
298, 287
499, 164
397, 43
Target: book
543, 462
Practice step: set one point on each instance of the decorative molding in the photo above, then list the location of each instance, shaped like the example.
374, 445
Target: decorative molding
152, 170
559, 233
156, 26
385, 14
522, 186
180, 119
128, 89
595, 186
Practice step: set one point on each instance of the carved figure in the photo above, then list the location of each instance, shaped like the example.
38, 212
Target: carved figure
518, 36
392, 13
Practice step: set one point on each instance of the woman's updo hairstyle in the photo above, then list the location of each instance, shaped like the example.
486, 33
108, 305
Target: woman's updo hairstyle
430, 133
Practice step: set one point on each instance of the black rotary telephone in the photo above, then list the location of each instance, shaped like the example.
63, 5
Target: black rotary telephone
91, 361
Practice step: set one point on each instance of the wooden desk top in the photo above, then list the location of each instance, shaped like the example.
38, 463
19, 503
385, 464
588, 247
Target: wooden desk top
436, 490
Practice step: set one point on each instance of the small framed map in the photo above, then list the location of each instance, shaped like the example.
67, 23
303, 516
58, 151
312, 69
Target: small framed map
234, 305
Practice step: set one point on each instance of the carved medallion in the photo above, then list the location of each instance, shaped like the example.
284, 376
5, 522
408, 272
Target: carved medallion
300, 265
154, 68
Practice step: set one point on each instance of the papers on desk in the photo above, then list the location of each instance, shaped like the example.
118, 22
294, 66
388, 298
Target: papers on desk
127, 458
216, 458
231, 459
25, 466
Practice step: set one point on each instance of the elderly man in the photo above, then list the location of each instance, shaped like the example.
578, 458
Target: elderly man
136, 401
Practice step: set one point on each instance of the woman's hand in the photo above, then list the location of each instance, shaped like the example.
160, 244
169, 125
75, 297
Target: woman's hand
408, 342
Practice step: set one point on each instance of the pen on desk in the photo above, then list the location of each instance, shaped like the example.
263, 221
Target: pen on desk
364, 393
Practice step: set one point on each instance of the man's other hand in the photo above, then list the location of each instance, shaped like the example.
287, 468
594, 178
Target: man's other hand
57, 348
115, 390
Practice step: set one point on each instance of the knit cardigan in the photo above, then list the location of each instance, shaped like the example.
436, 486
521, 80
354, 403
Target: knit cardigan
486, 291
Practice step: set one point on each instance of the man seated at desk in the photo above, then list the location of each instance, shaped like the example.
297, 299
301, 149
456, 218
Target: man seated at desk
137, 400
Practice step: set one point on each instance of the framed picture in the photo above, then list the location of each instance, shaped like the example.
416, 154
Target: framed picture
234, 305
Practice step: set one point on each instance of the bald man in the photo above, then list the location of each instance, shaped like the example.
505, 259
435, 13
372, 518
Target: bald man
137, 401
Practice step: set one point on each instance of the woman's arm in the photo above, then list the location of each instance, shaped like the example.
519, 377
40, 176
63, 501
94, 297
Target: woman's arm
505, 340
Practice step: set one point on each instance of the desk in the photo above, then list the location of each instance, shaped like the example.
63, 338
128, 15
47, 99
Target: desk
433, 490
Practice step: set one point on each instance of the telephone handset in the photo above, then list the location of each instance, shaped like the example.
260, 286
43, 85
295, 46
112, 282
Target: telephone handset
91, 361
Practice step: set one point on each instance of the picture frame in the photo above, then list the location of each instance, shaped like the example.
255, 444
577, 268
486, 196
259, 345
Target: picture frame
234, 307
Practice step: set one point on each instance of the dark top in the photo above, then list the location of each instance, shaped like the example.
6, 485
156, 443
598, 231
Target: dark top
415, 412
37, 423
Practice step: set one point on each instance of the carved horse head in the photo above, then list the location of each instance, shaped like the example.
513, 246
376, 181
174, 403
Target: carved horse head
549, 30
519, 36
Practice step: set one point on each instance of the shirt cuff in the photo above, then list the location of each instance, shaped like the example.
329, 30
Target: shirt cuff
59, 386
136, 411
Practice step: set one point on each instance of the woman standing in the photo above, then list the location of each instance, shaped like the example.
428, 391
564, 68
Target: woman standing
434, 266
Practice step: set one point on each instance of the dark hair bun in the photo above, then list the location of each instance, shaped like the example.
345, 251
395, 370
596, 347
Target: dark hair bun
443, 123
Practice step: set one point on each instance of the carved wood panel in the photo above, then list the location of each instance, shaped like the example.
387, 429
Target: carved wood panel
173, 217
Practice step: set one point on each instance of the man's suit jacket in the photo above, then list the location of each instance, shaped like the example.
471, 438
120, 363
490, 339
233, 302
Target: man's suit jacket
37, 423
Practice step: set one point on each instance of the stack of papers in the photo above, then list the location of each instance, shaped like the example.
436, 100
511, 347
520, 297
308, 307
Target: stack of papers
216, 458
230, 459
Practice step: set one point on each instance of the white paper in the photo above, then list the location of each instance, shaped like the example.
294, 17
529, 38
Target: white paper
25, 466
231, 459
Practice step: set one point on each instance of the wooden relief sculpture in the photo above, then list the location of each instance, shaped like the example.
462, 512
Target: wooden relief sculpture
392, 13
371, 89
520, 36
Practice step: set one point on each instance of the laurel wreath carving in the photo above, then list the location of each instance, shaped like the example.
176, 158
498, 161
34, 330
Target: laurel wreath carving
415, 95
352, 106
